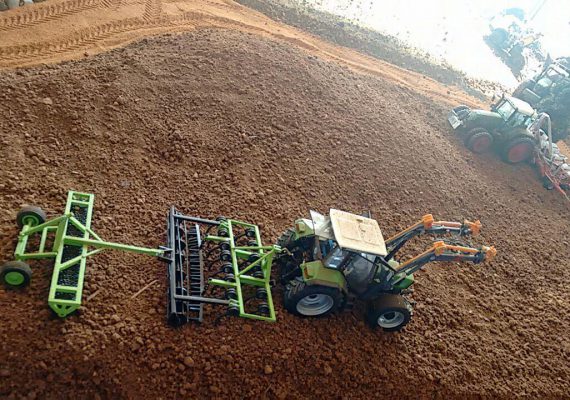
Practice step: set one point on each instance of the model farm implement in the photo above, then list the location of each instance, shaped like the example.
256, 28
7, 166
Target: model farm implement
69, 240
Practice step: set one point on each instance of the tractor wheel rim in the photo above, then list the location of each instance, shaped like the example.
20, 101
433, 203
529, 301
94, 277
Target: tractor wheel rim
31, 220
519, 152
481, 144
14, 278
391, 319
315, 304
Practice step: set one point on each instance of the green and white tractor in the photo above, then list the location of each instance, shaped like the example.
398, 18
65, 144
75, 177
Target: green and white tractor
504, 128
549, 92
329, 262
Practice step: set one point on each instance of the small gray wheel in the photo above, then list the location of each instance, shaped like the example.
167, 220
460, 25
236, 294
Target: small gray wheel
30, 215
311, 300
390, 319
316, 304
15, 274
391, 312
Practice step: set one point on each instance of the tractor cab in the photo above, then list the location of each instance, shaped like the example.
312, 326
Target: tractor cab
514, 112
552, 75
351, 244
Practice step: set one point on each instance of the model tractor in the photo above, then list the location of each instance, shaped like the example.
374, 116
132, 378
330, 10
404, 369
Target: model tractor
330, 262
549, 92
504, 128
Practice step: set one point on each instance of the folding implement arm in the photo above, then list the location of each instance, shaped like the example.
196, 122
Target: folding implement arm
440, 251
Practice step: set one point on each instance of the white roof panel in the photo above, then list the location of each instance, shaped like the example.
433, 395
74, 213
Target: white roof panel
357, 233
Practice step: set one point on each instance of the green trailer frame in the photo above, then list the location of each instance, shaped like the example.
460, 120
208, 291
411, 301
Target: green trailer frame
73, 242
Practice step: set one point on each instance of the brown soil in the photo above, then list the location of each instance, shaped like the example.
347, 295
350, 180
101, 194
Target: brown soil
220, 122
72, 29
350, 34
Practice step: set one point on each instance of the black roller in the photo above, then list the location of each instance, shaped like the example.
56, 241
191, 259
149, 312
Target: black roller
263, 309
231, 294
261, 293
226, 256
233, 310
227, 268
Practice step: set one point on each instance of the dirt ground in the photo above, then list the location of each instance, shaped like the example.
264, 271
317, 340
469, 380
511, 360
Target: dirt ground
221, 122
237, 120
59, 30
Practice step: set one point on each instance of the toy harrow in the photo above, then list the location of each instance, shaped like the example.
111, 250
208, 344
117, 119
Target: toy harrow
244, 264
231, 253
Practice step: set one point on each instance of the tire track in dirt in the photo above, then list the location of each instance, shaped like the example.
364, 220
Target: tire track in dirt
90, 36
152, 9
48, 12
78, 29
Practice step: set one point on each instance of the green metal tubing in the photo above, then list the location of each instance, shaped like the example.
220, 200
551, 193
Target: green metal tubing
266, 256
110, 245
64, 307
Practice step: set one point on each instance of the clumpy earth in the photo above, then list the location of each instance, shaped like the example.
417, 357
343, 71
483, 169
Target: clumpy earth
219, 122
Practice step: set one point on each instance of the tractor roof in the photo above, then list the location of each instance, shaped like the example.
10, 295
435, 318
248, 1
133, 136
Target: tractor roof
522, 106
357, 233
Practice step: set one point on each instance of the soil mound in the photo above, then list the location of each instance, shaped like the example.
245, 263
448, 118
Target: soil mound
220, 122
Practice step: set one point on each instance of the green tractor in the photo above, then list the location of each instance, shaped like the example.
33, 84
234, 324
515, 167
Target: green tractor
504, 128
329, 262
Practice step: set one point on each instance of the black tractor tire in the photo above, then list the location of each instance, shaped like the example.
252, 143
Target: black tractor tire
313, 301
32, 214
478, 140
390, 312
286, 239
518, 150
15, 274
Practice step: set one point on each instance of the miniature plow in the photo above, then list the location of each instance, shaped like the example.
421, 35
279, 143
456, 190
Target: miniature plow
231, 254
73, 242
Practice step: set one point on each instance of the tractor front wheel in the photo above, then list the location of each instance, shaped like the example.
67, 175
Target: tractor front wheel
518, 150
478, 140
31, 215
311, 300
391, 312
15, 274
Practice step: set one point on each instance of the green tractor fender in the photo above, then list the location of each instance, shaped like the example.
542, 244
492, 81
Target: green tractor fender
315, 273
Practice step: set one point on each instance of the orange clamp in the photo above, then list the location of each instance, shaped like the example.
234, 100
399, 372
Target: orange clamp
490, 252
474, 227
427, 220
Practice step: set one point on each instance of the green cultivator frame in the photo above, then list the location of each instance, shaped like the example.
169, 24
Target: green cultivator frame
73, 241
231, 254
237, 264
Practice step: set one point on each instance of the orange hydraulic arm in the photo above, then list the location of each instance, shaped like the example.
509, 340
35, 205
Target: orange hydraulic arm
440, 251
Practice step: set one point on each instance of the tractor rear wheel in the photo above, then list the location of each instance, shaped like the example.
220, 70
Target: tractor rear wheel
15, 274
478, 140
311, 300
518, 150
391, 312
